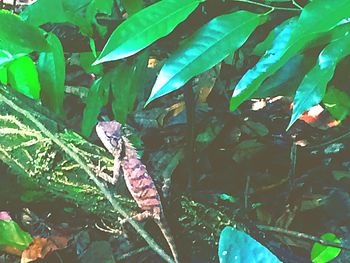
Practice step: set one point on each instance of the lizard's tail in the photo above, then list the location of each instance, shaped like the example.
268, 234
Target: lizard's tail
163, 225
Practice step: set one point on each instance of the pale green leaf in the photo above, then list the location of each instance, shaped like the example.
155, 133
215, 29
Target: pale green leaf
146, 26
23, 76
12, 235
324, 254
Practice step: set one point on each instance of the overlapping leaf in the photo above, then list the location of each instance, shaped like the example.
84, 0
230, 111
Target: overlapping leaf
51, 69
290, 41
23, 76
313, 86
207, 47
145, 27
17, 36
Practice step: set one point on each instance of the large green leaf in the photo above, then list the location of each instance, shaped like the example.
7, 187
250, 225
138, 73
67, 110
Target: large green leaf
12, 235
23, 76
313, 86
17, 36
51, 69
207, 47
237, 246
290, 41
127, 81
145, 27
324, 254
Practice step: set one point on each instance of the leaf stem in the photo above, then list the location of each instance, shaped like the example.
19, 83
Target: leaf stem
272, 7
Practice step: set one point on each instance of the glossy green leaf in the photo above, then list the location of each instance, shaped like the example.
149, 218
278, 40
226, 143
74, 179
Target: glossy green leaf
314, 84
52, 69
236, 246
18, 36
290, 41
97, 98
143, 28
337, 102
324, 254
261, 48
207, 47
127, 81
23, 76
12, 235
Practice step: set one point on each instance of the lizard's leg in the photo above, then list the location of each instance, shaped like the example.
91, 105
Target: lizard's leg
106, 177
138, 217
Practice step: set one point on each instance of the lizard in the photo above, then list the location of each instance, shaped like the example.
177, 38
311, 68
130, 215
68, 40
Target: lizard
139, 183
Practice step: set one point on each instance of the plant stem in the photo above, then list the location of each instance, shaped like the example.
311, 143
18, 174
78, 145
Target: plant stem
302, 236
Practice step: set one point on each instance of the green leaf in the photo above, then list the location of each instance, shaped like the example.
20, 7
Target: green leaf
58, 11
23, 76
237, 246
44, 11
18, 36
97, 98
132, 6
290, 41
337, 102
314, 84
86, 59
207, 47
12, 235
98, 7
324, 254
261, 48
3, 75
143, 28
6, 57
52, 69
127, 81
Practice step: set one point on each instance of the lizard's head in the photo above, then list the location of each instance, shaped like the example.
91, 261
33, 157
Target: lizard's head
110, 133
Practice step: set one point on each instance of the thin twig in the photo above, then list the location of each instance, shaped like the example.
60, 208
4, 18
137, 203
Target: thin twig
302, 236
269, 6
293, 161
91, 175
132, 253
246, 192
